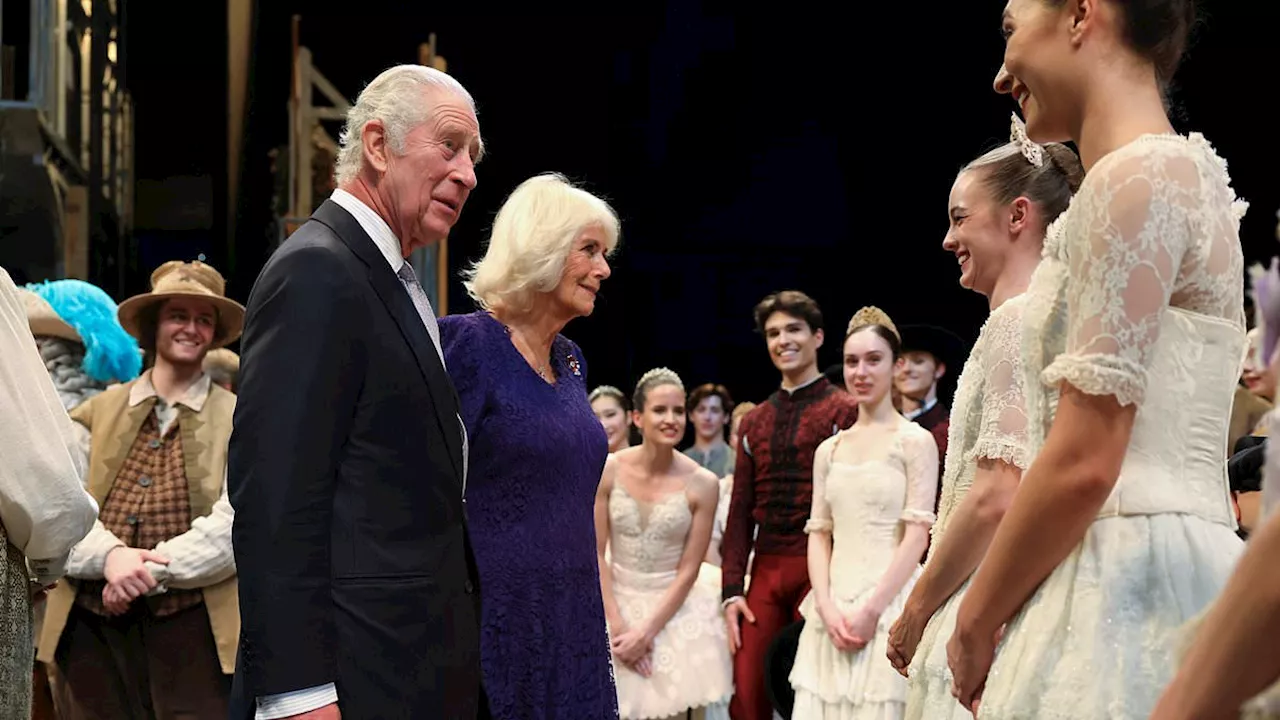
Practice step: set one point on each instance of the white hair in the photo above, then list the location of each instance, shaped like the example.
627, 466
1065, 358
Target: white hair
532, 237
398, 99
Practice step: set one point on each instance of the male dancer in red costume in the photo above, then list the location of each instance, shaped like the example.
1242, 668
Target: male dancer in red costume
773, 491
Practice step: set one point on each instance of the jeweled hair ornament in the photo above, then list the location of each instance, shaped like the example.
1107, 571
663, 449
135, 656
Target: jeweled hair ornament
660, 375
872, 315
1030, 150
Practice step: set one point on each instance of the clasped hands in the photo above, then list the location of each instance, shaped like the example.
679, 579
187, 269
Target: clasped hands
851, 633
127, 577
634, 648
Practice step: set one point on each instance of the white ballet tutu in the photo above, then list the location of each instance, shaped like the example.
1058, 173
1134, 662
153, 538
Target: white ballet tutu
929, 688
834, 685
1098, 639
692, 667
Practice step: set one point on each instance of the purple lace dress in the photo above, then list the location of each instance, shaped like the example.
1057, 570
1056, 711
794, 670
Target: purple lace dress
536, 457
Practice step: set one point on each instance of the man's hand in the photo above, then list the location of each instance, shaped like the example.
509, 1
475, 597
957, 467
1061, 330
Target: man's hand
127, 575
328, 712
733, 614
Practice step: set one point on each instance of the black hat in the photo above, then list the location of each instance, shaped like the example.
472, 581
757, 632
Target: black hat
1244, 468
835, 375
941, 343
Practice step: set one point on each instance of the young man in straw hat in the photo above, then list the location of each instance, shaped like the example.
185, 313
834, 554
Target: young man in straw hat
147, 626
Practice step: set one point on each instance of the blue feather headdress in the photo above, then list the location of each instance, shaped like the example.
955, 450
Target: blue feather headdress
111, 354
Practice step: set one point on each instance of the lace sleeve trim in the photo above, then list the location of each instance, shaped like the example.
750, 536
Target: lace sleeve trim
1096, 374
918, 516
1007, 451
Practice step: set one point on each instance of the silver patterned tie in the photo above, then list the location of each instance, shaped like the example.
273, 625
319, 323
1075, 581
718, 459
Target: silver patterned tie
420, 301
423, 305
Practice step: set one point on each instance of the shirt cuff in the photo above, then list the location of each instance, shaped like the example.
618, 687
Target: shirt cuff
725, 604
273, 707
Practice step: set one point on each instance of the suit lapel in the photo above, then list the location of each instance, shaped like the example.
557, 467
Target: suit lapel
400, 306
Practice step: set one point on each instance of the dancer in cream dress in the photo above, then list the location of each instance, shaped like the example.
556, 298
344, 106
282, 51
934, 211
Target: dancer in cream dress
999, 209
874, 487
1233, 652
654, 510
1133, 340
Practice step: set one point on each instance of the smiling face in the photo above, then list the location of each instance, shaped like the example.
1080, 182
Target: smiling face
793, 345
613, 417
184, 331
662, 420
585, 270
976, 233
868, 366
917, 373
1042, 70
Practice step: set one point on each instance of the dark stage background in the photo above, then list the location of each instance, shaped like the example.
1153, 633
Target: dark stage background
746, 151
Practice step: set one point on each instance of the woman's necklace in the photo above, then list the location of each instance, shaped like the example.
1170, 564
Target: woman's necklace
541, 369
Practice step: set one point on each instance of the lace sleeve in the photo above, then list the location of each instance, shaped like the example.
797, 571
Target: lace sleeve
1123, 248
1003, 430
921, 452
820, 514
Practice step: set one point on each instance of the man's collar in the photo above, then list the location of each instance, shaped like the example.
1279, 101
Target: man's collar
802, 386
923, 409
373, 225
194, 397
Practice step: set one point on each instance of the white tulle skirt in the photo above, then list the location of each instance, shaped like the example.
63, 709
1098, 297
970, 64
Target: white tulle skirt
1098, 640
834, 685
692, 667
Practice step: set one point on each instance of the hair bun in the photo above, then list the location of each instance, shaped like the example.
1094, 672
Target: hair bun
1065, 160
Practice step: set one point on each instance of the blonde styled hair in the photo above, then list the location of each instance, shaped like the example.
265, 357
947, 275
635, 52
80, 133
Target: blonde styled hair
532, 237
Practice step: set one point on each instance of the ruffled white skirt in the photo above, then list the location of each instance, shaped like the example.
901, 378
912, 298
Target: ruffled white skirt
834, 685
692, 667
1098, 639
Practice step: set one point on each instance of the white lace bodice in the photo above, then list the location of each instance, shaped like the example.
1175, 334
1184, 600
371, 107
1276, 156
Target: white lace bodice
1140, 296
988, 417
648, 537
863, 503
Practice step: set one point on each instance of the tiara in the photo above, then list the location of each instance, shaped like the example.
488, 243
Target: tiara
1030, 150
605, 391
661, 374
872, 315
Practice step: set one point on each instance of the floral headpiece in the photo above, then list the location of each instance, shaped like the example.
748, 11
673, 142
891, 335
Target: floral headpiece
1032, 151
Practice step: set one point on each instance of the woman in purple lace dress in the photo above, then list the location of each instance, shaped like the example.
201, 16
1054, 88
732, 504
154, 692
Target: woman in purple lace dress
536, 454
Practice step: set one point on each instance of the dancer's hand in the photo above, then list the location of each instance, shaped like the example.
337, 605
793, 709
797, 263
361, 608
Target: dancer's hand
644, 666
631, 646
861, 625
970, 653
837, 628
733, 614
904, 638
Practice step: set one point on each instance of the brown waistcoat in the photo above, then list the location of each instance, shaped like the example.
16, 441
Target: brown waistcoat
115, 428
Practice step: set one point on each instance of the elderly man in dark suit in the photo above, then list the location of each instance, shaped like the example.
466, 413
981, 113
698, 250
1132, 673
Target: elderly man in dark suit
347, 464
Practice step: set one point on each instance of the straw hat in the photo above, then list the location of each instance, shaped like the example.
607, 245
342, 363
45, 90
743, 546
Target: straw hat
44, 321
196, 280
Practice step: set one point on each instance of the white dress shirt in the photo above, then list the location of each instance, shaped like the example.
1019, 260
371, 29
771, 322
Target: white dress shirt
44, 508
272, 707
